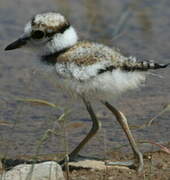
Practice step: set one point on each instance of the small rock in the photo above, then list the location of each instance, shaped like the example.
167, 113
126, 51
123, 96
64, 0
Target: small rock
47, 170
110, 178
93, 164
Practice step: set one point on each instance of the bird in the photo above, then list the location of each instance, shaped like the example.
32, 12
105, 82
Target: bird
88, 70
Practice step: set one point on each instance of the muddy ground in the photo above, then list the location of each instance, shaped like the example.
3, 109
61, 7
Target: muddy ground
157, 167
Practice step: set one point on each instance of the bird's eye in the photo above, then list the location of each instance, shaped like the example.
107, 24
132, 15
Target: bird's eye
37, 34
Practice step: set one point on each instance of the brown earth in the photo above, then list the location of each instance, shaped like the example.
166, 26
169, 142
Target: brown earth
157, 167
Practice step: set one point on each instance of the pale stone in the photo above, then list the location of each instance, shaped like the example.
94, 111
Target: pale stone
43, 171
93, 164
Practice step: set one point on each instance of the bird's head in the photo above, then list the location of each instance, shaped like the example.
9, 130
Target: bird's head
47, 33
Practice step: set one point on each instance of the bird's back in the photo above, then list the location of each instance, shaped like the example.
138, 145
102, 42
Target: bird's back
88, 53
92, 68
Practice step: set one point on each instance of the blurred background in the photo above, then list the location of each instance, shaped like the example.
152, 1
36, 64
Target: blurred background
138, 28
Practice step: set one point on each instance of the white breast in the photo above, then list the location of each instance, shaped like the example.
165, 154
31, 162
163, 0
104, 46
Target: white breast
84, 80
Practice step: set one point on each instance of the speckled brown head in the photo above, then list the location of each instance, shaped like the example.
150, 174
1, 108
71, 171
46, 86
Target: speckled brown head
49, 24
47, 32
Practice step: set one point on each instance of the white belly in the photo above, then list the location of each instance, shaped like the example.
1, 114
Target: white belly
85, 81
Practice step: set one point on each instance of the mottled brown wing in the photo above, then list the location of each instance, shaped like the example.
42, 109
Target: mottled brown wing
87, 53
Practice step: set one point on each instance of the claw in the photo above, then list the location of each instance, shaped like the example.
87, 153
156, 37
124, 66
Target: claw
131, 164
120, 163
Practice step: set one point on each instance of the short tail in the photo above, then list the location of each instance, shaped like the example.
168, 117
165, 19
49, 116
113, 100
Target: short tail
132, 65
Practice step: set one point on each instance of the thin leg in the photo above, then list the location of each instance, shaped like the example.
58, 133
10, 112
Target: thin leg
123, 122
95, 127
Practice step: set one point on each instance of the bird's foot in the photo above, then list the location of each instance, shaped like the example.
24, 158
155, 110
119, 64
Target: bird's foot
131, 164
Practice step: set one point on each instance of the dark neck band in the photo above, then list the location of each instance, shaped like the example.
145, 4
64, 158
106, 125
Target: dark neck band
51, 59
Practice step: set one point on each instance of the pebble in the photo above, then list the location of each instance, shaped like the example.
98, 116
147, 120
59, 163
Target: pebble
46, 170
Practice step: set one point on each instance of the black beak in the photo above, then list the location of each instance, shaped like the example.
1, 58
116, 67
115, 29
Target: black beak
17, 44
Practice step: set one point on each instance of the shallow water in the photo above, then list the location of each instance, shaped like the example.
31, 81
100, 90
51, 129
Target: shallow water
145, 34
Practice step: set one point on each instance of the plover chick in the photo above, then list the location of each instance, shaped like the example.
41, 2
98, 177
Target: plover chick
89, 70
